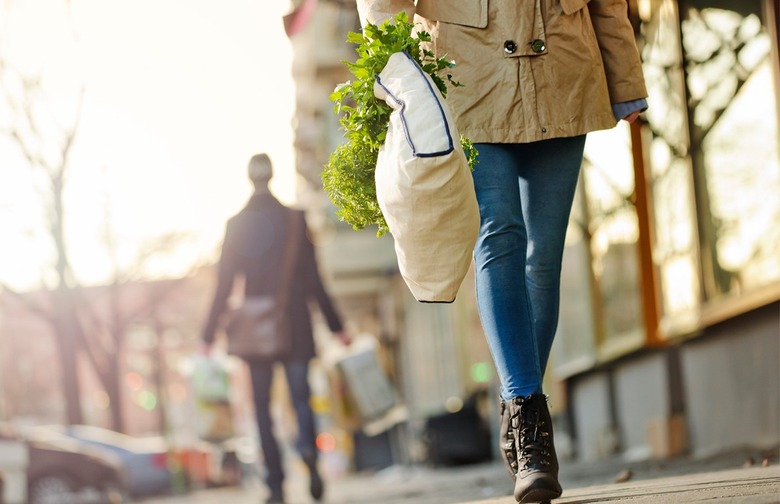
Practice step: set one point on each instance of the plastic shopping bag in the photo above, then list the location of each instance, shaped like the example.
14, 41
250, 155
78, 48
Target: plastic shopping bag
362, 388
211, 387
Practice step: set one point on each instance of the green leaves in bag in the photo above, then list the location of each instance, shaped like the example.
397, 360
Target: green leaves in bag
348, 177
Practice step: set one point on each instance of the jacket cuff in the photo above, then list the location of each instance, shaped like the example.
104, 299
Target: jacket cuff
624, 109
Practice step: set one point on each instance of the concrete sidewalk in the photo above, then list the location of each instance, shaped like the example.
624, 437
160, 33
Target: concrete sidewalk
720, 480
749, 486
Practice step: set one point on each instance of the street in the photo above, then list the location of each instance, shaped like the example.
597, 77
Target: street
723, 480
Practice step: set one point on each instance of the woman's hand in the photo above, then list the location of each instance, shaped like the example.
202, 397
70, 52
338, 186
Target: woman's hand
632, 116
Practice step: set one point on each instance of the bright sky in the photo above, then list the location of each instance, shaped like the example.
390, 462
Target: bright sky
178, 96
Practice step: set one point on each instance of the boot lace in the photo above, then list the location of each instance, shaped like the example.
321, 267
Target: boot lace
534, 448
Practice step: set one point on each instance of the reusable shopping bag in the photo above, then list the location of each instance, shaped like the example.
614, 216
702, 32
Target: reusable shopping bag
423, 184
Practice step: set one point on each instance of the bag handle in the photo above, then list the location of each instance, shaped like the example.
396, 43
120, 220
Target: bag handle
290, 255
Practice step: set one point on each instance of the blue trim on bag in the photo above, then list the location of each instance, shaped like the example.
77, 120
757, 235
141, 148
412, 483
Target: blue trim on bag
403, 107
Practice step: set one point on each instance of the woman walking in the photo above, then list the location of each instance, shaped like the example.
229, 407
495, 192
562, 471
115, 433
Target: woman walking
538, 76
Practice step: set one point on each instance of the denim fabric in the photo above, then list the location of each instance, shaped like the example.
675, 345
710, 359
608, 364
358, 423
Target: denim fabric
297, 372
525, 193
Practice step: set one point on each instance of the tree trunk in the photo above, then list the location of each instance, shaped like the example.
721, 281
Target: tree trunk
68, 342
112, 384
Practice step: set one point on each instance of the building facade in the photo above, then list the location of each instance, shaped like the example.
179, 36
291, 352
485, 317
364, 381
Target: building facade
669, 336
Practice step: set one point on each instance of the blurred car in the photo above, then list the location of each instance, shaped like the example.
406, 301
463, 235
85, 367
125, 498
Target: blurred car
14, 459
63, 470
145, 460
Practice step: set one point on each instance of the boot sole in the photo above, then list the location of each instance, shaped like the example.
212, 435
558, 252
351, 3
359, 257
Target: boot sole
539, 495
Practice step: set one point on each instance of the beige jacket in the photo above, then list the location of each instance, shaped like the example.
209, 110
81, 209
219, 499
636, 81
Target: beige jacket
530, 69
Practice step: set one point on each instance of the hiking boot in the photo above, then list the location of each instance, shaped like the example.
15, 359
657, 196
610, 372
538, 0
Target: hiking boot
536, 478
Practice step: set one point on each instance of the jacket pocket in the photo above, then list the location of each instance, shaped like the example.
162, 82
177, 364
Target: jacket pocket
462, 12
572, 6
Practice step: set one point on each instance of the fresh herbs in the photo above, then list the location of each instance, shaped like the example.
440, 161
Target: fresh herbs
348, 177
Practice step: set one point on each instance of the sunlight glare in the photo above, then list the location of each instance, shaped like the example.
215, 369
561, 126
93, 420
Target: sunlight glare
177, 98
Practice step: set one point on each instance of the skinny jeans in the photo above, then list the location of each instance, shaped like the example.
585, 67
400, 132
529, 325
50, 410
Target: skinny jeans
297, 373
525, 194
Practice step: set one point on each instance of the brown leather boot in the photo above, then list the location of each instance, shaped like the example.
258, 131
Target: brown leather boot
536, 478
506, 442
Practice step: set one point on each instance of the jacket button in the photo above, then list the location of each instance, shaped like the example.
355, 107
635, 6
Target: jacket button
537, 45
510, 46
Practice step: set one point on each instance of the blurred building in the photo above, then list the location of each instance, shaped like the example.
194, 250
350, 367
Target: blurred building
669, 335
140, 334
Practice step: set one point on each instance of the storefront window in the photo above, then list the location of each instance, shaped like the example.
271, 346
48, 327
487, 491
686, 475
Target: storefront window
601, 304
575, 342
608, 185
675, 251
713, 152
710, 146
734, 144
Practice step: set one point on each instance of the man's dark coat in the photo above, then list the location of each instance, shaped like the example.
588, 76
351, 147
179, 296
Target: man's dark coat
254, 246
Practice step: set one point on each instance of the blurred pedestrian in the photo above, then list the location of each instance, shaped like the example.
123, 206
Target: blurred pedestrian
253, 247
537, 77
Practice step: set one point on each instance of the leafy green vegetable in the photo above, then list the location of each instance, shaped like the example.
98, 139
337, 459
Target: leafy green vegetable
348, 177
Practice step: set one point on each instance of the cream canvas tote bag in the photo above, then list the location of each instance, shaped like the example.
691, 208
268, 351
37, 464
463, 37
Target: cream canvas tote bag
423, 184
